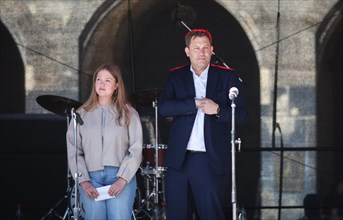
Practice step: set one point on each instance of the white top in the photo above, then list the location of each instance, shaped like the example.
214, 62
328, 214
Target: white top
197, 141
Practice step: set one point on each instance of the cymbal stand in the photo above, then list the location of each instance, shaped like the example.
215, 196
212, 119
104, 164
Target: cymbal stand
144, 207
159, 211
156, 174
147, 179
158, 171
155, 177
149, 207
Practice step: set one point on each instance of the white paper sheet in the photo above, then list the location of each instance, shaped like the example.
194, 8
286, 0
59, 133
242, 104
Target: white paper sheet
103, 193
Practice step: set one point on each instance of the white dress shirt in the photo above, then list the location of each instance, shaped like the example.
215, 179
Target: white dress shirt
197, 141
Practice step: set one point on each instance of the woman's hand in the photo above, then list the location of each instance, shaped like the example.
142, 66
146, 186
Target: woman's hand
89, 190
117, 187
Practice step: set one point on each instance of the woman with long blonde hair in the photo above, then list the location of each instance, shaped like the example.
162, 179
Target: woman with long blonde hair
109, 148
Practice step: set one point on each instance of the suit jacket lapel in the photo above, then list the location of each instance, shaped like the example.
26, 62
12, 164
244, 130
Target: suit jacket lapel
211, 83
189, 82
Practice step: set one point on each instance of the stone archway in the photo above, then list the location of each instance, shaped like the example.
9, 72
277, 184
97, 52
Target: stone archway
157, 45
329, 99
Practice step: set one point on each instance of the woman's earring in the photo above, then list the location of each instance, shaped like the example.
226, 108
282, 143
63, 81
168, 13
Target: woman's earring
116, 91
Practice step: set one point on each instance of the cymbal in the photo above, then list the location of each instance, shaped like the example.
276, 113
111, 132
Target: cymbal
146, 97
58, 104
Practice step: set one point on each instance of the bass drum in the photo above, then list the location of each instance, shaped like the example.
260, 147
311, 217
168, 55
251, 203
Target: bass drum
71, 200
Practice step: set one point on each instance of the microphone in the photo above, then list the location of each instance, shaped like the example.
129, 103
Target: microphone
78, 117
182, 14
176, 17
233, 93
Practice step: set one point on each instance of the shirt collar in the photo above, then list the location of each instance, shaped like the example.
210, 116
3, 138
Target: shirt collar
203, 74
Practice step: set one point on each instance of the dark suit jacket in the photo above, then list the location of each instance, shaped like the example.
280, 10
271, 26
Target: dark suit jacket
177, 101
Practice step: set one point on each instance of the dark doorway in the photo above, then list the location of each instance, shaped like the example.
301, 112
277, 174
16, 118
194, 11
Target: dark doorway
329, 47
12, 75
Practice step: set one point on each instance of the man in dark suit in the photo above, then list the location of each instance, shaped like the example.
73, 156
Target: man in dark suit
198, 156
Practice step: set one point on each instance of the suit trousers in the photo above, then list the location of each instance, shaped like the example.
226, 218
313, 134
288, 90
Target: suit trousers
195, 188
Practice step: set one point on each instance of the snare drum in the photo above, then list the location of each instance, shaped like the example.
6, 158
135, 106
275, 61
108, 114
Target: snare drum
149, 156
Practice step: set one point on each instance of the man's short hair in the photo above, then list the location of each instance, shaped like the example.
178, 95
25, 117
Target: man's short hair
197, 33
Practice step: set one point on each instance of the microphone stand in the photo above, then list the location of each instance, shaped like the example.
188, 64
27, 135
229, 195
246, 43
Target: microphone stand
233, 160
218, 58
213, 53
76, 174
158, 171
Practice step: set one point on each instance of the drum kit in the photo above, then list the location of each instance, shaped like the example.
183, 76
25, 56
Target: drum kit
153, 167
150, 198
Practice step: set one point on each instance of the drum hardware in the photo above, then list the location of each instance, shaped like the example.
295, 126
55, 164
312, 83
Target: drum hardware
149, 159
61, 106
71, 205
153, 157
145, 171
53, 211
147, 208
145, 97
137, 205
58, 104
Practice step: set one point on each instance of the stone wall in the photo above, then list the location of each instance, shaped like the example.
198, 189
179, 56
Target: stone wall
48, 35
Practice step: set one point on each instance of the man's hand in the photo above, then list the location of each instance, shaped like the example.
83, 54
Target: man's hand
207, 106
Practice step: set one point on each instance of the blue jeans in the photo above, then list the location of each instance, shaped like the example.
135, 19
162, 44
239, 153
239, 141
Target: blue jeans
119, 207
